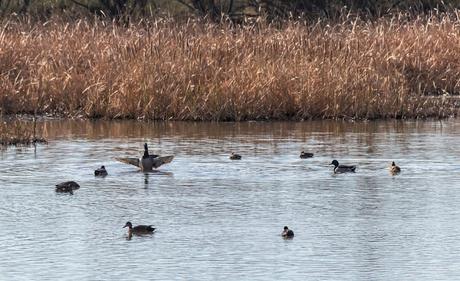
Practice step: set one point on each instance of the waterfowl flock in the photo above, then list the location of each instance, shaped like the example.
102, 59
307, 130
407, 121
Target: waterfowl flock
148, 162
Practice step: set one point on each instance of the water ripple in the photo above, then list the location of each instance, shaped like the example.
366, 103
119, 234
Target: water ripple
218, 218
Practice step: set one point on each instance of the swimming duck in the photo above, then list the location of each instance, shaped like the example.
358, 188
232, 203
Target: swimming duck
148, 161
342, 168
394, 169
235, 156
101, 172
304, 155
287, 233
139, 229
68, 186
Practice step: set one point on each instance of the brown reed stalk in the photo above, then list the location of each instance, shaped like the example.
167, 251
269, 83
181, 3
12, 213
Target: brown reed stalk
390, 68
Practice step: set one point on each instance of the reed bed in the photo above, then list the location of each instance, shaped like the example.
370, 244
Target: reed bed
164, 70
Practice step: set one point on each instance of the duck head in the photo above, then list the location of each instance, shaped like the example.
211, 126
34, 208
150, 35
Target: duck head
335, 163
393, 163
129, 225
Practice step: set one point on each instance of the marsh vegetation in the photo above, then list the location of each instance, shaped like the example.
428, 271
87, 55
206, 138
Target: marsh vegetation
164, 70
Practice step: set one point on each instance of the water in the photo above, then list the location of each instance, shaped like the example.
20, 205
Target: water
221, 219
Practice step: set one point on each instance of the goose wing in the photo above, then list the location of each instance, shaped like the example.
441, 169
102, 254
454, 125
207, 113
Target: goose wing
131, 161
161, 160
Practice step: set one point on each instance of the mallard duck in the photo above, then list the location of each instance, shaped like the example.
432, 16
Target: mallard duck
68, 186
394, 169
101, 172
304, 155
287, 233
139, 229
148, 161
342, 168
235, 156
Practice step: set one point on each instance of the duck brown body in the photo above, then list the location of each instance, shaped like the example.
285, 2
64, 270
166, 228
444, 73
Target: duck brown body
394, 169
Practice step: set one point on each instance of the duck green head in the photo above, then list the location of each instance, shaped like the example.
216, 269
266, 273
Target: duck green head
129, 225
335, 163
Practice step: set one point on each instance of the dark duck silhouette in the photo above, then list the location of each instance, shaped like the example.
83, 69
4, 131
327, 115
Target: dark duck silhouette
68, 186
101, 172
287, 233
235, 156
304, 155
338, 169
139, 229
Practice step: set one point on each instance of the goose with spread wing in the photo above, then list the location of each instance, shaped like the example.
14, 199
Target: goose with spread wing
148, 161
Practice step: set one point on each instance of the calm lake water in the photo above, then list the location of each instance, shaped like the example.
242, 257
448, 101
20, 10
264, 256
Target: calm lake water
222, 219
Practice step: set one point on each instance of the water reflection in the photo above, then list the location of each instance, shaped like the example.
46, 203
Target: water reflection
128, 129
146, 179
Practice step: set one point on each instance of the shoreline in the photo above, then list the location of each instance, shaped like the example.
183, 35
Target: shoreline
29, 118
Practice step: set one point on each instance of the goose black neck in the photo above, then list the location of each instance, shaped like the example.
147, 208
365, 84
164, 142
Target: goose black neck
146, 151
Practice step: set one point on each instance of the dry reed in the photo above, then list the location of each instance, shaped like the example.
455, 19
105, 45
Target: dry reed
202, 71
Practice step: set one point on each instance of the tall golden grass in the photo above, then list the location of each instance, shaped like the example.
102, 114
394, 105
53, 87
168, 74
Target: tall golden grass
201, 71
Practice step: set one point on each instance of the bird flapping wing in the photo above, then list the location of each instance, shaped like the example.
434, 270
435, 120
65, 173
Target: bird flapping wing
158, 161
132, 161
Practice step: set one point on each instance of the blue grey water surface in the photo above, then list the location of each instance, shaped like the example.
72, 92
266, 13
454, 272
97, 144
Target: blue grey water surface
219, 219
